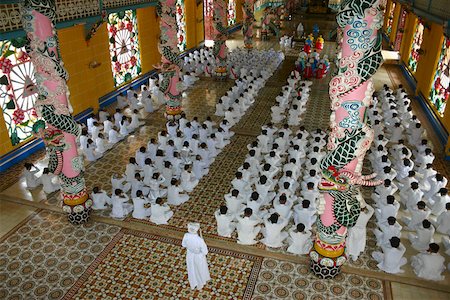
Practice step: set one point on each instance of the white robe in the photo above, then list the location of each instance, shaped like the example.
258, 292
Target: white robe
47, 184
299, 242
391, 259
225, 226
273, 234
428, 265
100, 200
139, 211
356, 239
197, 265
160, 214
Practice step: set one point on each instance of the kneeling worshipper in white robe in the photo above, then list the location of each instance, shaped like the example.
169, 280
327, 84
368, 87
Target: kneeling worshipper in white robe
442, 223
304, 213
197, 265
423, 237
299, 240
90, 153
118, 183
438, 201
388, 209
120, 205
188, 180
429, 265
356, 238
99, 198
391, 259
175, 194
160, 212
247, 228
140, 211
387, 229
48, 186
272, 231
225, 225
101, 145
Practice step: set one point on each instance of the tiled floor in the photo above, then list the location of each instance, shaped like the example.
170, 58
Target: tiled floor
44, 257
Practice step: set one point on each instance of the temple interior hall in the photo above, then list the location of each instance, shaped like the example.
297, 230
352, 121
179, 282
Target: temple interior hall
305, 142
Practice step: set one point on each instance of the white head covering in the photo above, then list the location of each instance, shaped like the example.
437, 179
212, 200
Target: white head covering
193, 227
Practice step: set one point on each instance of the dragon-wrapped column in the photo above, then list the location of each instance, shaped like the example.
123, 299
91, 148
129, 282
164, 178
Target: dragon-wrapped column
247, 24
220, 49
350, 137
170, 62
57, 126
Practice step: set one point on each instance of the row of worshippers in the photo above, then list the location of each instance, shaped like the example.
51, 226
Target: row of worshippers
258, 178
291, 101
233, 105
241, 62
102, 132
422, 191
169, 167
267, 190
311, 65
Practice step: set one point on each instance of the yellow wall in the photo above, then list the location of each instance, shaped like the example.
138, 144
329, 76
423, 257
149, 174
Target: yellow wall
86, 85
5, 141
239, 11
386, 14
148, 31
200, 29
190, 9
408, 36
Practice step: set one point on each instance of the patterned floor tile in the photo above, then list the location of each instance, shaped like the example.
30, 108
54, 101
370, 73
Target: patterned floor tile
285, 280
44, 257
140, 266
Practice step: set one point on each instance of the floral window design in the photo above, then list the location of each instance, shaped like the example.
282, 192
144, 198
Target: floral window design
231, 12
400, 29
124, 46
181, 25
208, 11
440, 88
18, 91
390, 19
415, 47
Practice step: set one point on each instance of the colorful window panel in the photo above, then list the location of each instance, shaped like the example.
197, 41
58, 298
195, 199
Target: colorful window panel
231, 12
18, 91
415, 47
181, 24
124, 46
208, 19
400, 29
440, 89
390, 19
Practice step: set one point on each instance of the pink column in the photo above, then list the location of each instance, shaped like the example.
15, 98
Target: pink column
350, 137
170, 62
59, 130
249, 19
220, 49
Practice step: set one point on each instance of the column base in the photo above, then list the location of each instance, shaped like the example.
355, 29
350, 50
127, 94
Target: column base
326, 267
78, 218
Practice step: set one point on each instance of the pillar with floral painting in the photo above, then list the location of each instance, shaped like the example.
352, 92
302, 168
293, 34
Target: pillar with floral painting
351, 92
170, 61
57, 127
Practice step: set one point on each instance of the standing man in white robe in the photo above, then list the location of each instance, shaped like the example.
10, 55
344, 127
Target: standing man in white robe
197, 266
356, 238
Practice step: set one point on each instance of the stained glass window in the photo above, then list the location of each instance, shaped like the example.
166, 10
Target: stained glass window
415, 47
440, 89
400, 29
390, 19
181, 24
208, 12
124, 46
231, 12
18, 90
